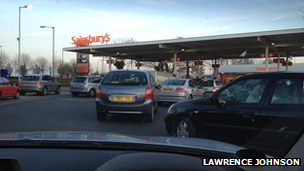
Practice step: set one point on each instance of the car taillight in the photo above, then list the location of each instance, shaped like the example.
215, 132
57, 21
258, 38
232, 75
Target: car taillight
214, 89
149, 93
85, 81
20, 82
98, 92
38, 83
180, 90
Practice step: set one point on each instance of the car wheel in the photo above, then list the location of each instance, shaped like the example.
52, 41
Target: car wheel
44, 91
75, 94
190, 97
160, 103
185, 128
150, 116
101, 116
17, 95
92, 93
22, 93
57, 90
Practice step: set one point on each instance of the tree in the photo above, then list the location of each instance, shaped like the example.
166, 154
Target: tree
24, 65
119, 64
124, 40
73, 68
40, 65
9, 69
4, 59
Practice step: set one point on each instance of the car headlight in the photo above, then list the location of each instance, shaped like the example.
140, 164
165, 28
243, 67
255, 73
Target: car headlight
172, 110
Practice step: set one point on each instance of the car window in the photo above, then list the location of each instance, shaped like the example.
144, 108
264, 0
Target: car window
47, 78
152, 80
30, 78
78, 80
174, 82
191, 84
96, 80
288, 91
244, 91
125, 78
207, 83
1, 82
6, 81
91, 80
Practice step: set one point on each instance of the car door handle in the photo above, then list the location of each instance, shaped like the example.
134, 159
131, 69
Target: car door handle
248, 114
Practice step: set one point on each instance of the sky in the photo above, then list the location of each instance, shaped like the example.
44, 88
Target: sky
143, 20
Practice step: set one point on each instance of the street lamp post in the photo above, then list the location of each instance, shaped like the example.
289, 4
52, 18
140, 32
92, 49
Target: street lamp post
53, 53
19, 38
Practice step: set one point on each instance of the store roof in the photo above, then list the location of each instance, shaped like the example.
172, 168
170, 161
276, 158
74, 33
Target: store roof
290, 41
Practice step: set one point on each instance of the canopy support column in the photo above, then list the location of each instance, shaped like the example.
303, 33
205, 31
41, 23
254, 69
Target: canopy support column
175, 65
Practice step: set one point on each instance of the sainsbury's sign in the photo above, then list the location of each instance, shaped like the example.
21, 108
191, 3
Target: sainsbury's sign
91, 39
269, 68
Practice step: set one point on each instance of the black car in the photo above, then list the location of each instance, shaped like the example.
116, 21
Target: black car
257, 110
128, 92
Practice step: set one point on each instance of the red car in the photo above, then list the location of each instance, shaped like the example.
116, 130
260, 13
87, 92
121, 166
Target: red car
8, 90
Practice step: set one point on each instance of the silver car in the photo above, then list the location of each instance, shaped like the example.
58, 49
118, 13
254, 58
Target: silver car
178, 90
129, 92
210, 85
85, 85
39, 83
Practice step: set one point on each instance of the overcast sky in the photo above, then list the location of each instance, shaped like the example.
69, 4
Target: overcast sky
143, 20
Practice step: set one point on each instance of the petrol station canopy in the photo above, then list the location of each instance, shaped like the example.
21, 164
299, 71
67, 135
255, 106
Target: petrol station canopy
289, 42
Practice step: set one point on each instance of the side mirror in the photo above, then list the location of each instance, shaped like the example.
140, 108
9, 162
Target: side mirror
159, 86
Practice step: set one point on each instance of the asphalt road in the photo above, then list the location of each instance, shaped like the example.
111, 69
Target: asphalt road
64, 112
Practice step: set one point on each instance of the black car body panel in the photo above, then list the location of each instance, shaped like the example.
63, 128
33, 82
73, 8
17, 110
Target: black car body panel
263, 124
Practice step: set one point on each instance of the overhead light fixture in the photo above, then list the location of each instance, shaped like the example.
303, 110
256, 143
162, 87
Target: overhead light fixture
117, 53
272, 43
183, 50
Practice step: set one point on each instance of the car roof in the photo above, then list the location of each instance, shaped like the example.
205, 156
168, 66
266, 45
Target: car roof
36, 75
126, 70
88, 76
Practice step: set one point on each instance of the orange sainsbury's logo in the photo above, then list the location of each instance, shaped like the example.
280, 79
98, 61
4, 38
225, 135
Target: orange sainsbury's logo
90, 39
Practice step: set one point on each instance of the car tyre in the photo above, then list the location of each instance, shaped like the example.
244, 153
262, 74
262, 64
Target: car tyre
150, 116
101, 116
160, 103
22, 93
92, 93
57, 90
186, 128
44, 91
17, 95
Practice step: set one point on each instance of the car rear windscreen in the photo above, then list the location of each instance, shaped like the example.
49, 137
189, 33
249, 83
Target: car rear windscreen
174, 82
78, 80
205, 83
30, 78
125, 78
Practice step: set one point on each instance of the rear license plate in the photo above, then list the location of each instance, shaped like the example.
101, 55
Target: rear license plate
167, 89
76, 85
205, 88
27, 83
123, 98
